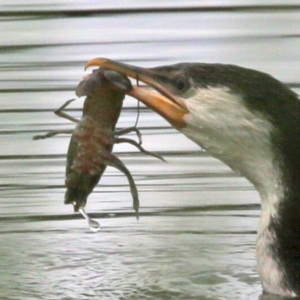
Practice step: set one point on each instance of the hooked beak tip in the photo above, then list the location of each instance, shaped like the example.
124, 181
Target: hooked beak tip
98, 61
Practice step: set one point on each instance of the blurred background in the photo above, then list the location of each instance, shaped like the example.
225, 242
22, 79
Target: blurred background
195, 238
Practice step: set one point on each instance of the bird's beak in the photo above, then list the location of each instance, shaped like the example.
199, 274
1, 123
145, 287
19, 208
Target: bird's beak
164, 102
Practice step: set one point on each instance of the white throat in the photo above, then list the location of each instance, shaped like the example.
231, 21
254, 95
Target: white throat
221, 124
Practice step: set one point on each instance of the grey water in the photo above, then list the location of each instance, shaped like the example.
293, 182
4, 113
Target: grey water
195, 238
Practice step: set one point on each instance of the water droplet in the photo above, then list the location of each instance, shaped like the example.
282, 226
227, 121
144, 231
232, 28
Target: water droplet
94, 225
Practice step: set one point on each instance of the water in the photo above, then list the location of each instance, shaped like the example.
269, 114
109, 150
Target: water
93, 225
195, 238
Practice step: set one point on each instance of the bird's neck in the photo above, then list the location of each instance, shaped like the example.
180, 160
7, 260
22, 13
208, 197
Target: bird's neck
244, 140
270, 263
278, 233
278, 242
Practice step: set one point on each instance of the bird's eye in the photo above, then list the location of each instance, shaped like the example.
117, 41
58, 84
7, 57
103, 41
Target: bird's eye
181, 83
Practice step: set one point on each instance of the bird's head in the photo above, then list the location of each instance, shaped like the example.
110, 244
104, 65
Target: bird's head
231, 112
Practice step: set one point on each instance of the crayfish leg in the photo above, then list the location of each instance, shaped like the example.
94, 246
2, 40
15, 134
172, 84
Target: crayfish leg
59, 112
52, 133
128, 130
113, 161
134, 143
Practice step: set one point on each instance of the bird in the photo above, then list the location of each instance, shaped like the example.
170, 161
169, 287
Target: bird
250, 121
